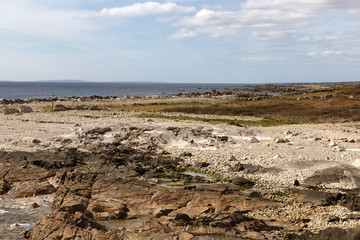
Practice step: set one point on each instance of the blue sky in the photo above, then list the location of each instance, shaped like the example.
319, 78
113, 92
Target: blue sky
248, 41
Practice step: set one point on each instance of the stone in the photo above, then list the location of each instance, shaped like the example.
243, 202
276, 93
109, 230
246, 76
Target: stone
60, 107
332, 144
281, 140
296, 183
240, 181
35, 205
288, 132
36, 141
232, 159
186, 154
80, 108
8, 111
4, 187
202, 164
26, 109
94, 108
333, 219
254, 140
236, 167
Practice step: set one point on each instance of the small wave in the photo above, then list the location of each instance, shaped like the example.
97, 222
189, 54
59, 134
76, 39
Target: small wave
2, 211
19, 225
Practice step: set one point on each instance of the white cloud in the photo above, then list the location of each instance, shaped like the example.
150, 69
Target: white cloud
146, 8
325, 54
225, 23
271, 35
215, 7
183, 33
256, 59
262, 59
318, 38
309, 6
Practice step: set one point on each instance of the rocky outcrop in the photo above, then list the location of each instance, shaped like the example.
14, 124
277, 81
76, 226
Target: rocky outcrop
117, 192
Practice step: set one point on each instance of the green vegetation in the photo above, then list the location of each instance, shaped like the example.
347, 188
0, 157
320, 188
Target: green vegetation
240, 199
264, 123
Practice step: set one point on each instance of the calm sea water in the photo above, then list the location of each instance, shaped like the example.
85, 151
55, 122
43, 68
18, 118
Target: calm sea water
26, 90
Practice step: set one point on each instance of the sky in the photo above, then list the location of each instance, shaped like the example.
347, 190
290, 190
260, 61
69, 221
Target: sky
183, 41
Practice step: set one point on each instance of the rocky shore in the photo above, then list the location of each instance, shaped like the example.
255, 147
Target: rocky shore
114, 175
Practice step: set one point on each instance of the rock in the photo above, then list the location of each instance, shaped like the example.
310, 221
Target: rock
99, 130
333, 219
60, 107
34, 189
186, 154
121, 213
202, 164
80, 108
94, 108
182, 217
26, 109
332, 144
328, 234
288, 132
254, 140
354, 216
281, 140
339, 149
8, 111
35, 205
4, 187
243, 182
36, 141
232, 159
296, 183
236, 167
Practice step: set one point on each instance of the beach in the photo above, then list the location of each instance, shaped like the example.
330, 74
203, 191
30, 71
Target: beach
130, 174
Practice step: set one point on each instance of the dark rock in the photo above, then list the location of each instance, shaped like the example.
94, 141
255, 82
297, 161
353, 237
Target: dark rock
8, 111
4, 187
232, 158
186, 154
333, 219
237, 167
182, 217
94, 108
296, 183
99, 130
243, 182
36, 141
80, 108
60, 107
328, 234
26, 109
202, 164
35, 205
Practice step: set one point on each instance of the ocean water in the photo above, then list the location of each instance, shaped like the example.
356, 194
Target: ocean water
17, 215
27, 90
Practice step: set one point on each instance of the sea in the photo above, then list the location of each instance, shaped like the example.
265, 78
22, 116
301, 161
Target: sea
28, 90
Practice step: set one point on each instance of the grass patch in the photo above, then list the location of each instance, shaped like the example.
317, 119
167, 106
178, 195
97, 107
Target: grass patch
263, 123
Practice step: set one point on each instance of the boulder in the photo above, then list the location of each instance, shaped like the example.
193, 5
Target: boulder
60, 107
4, 187
240, 181
26, 109
94, 108
8, 111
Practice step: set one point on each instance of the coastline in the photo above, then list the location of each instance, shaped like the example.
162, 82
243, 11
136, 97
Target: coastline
253, 169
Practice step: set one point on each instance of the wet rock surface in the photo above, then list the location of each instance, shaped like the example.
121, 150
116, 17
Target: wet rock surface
96, 193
